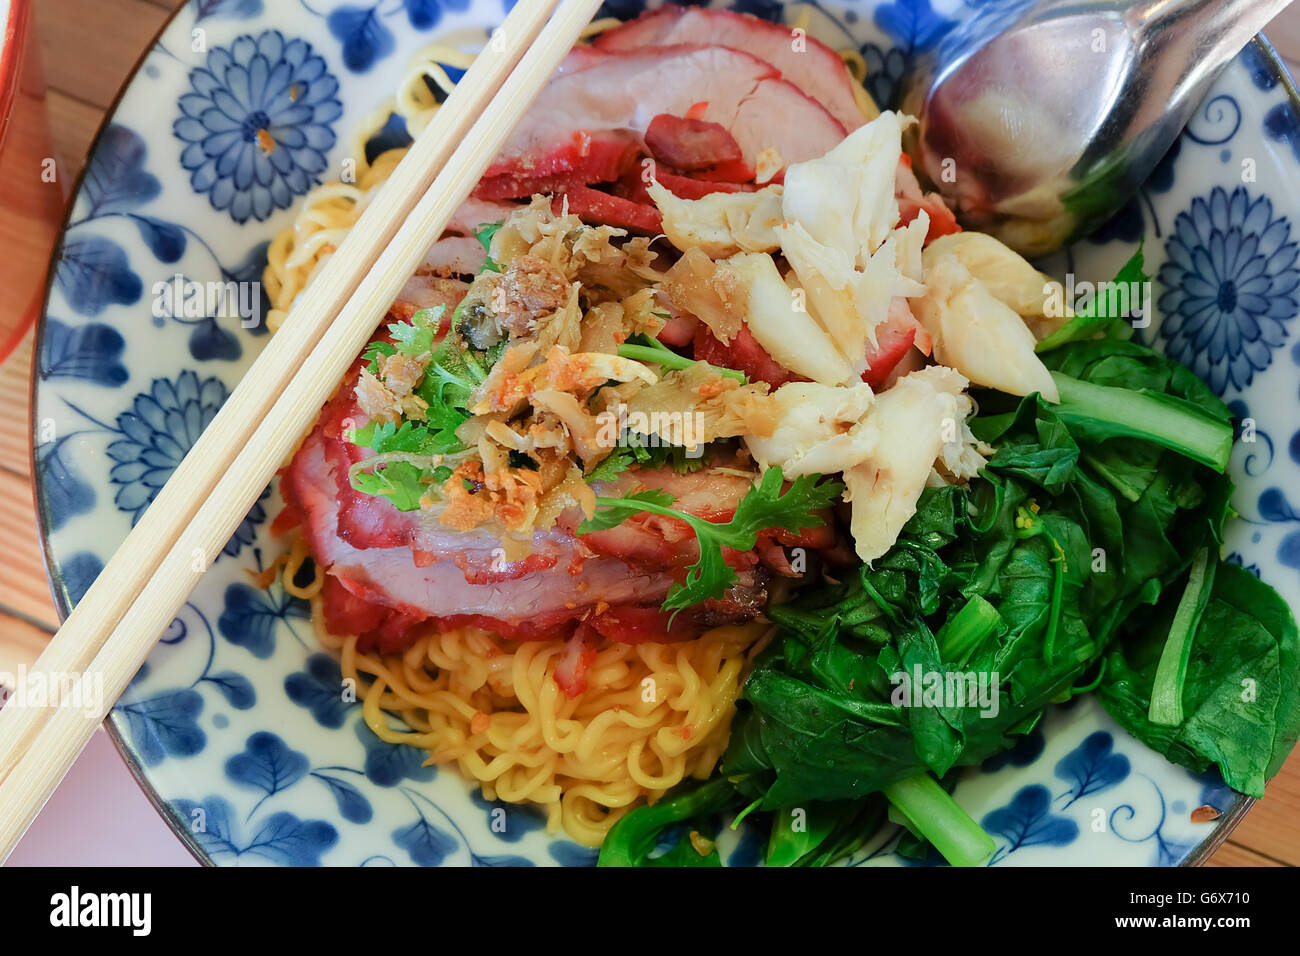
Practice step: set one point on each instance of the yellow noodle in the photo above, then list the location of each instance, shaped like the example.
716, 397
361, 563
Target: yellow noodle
652, 715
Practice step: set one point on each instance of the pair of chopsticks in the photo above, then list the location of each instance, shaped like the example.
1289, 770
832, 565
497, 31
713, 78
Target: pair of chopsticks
145, 584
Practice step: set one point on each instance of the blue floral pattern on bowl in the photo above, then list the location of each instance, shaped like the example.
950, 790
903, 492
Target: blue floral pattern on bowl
240, 725
258, 124
1230, 287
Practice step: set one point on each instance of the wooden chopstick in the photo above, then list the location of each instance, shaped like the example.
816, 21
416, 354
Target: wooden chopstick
103, 606
282, 399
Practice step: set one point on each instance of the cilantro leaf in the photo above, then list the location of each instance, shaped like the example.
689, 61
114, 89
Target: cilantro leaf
415, 337
764, 506
616, 510
767, 507
398, 481
612, 465
484, 233
413, 437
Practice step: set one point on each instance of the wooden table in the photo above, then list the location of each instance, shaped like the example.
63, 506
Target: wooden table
82, 84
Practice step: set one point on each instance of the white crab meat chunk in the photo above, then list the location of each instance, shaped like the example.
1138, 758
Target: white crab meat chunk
845, 199
820, 429
721, 224
918, 422
782, 325
848, 303
1007, 275
976, 333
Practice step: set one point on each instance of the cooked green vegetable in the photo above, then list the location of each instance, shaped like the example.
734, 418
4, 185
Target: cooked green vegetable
1101, 315
642, 348
1167, 691
1240, 697
935, 815
631, 841
1053, 571
1103, 411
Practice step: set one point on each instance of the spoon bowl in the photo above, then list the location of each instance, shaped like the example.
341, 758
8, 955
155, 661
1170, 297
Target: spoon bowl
1040, 118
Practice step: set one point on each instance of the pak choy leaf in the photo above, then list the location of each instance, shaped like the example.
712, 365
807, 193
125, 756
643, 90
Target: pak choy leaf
1104, 310
631, 841
1240, 696
1171, 673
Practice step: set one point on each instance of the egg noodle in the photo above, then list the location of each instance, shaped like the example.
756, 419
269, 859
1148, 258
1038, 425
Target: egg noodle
652, 714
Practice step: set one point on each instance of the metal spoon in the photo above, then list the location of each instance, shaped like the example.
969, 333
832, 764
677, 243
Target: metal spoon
1040, 118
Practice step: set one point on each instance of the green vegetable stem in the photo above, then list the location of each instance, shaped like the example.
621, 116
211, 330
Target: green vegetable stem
936, 816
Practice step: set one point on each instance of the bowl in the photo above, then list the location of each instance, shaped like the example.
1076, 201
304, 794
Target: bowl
235, 726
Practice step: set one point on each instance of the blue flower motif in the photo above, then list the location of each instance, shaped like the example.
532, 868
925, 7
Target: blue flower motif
93, 274
282, 838
1092, 766
508, 821
426, 844
364, 37
236, 688
352, 805
250, 616
1229, 287
258, 124
1215, 793
116, 180
1262, 73
1236, 558
393, 135
166, 725
319, 688
884, 72
567, 853
1024, 753
1028, 821
749, 851
63, 493
267, 764
914, 24
237, 9
1282, 123
79, 572
387, 764
162, 425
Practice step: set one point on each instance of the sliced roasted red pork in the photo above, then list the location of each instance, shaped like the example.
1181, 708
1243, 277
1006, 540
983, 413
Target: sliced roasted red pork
807, 63
389, 571
586, 126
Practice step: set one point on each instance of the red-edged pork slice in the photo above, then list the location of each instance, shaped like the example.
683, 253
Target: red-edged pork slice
473, 214
810, 65
454, 256
576, 130
390, 573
